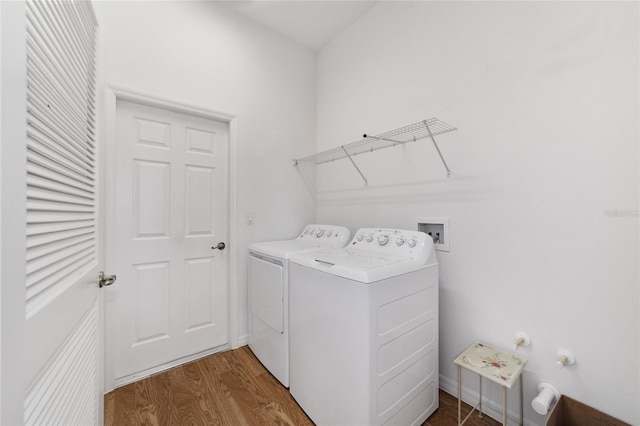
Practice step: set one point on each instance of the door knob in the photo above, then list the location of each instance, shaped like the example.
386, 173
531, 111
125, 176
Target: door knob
105, 280
220, 246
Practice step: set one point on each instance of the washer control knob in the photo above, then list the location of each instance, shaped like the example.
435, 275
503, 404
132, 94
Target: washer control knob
412, 242
383, 239
399, 241
329, 233
360, 237
369, 238
320, 233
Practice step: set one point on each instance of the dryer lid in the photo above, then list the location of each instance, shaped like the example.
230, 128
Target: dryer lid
312, 237
284, 249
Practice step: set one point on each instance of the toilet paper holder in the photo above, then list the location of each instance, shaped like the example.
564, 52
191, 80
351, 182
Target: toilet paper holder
521, 339
564, 358
547, 395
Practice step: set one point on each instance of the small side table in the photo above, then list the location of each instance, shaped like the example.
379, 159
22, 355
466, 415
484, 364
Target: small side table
494, 364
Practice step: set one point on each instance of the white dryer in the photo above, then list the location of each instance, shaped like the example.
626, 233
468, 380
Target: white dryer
364, 330
269, 292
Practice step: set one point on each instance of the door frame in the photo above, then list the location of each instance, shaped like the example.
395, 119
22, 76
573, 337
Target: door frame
13, 164
112, 94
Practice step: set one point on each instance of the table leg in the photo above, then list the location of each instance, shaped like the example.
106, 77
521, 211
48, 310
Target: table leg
459, 393
504, 406
480, 402
521, 399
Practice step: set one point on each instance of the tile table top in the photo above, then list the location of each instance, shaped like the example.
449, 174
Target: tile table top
495, 364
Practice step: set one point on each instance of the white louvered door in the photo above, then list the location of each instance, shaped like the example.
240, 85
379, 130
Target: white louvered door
62, 307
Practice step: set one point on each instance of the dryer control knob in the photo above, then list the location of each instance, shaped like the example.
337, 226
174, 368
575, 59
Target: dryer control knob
412, 242
383, 239
369, 238
329, 233
400, 241
360, 237
320, 233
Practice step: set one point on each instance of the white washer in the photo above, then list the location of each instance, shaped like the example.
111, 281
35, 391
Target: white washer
364, 330
269, 292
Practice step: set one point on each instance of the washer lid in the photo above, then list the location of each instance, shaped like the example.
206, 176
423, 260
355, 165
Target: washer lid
359, 265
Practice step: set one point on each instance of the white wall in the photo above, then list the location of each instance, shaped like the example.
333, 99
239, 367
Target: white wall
543, 201
203, 55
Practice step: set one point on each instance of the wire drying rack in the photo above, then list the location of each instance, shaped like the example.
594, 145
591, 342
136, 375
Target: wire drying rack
428, 128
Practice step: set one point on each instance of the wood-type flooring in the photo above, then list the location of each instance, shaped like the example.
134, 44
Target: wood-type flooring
228, 388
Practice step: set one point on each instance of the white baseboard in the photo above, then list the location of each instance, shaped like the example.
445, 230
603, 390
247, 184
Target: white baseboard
154, 370
242, 341
489, 407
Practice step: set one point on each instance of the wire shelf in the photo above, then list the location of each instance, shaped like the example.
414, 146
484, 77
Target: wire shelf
413, 132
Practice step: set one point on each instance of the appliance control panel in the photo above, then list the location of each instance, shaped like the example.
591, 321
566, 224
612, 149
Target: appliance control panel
330, 235
391, 241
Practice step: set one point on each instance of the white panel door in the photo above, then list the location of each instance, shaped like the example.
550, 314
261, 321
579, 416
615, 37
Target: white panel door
171, 203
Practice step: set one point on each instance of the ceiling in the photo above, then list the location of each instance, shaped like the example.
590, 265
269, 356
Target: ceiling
310, 23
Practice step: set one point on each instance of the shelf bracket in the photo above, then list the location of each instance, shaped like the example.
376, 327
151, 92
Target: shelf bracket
355, 165
433, 139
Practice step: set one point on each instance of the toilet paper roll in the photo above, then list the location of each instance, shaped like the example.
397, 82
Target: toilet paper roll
546, 396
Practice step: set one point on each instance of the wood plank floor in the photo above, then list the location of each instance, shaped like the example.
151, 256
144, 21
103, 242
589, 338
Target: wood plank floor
229, 388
